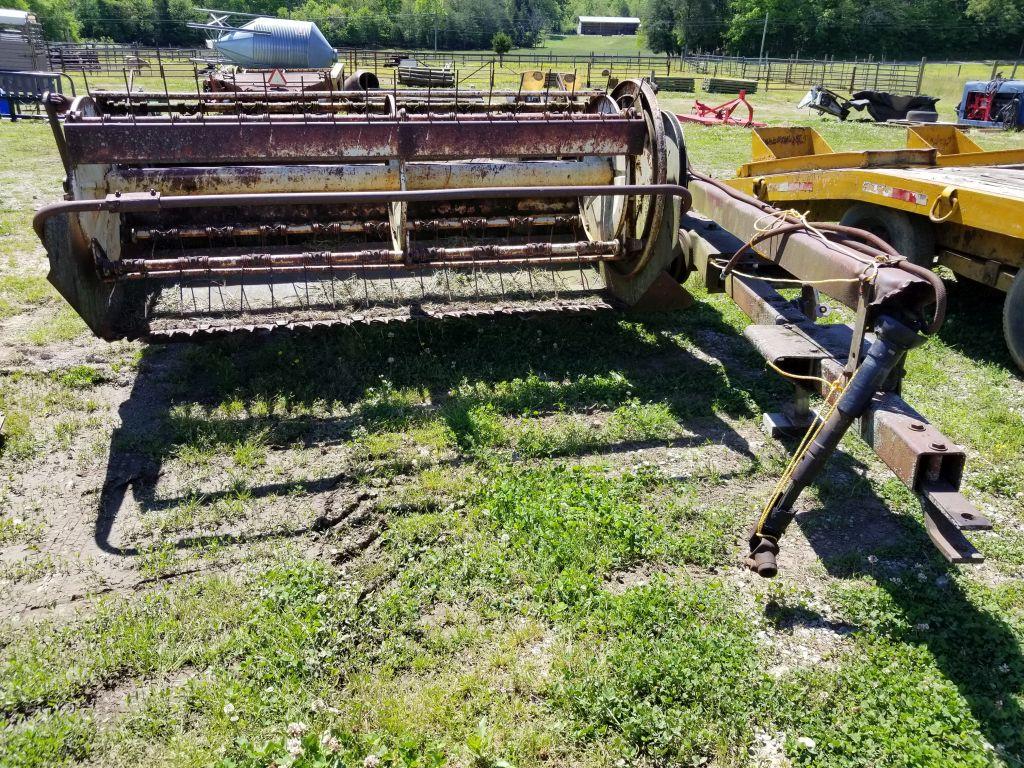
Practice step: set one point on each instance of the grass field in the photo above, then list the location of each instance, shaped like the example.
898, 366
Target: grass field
489, 544
583, 45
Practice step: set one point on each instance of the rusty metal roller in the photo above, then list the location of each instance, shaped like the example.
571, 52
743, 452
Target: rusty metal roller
216, 211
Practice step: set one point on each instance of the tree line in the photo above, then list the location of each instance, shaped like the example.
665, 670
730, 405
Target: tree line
894, 29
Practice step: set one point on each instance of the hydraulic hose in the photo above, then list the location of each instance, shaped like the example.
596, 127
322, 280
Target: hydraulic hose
940, 292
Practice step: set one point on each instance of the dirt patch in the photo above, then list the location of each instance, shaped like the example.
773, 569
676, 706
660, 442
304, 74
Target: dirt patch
109, 704
637, 576
768, 750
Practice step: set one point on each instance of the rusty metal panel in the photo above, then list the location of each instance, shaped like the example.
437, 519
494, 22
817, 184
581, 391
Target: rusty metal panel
229, 143
318, 142
950, 503
911, 447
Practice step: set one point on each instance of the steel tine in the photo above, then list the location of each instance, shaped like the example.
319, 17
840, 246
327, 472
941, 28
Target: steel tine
266, 93
303, 98
366, 283
128, 92
209, 289
181, 283
199, 93
263, 245
330, 263
163, 80
334, 110
578, 237
241, 293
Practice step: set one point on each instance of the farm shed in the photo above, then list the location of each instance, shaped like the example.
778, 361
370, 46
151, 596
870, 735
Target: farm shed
21, 41
607, 25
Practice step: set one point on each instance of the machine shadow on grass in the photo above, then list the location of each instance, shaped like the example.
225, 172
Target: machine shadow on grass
974, 649
598, 360
974, 324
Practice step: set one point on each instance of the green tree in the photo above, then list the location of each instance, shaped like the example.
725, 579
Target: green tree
659, 19
701, 24
57, 17
501, 43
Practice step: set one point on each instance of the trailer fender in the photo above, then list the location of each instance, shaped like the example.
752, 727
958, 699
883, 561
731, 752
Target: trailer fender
1013, 319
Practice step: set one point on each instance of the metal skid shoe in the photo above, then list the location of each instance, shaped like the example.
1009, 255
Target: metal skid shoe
893, 341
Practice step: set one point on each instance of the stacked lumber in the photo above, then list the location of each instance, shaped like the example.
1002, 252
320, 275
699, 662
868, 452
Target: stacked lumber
729, 85
680, 84
426, 76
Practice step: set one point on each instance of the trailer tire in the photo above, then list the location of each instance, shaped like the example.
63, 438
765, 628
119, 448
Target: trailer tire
911, 235
1013, 319
922, 116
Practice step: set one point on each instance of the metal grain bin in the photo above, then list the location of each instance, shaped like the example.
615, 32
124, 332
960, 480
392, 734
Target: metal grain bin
271, 43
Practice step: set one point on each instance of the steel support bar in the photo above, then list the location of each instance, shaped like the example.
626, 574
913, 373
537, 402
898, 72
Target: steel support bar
288, 272
338, 95
153, 203
351, 177
353, 227
368, 110
367, 140
320, 118
805, 255
468, 257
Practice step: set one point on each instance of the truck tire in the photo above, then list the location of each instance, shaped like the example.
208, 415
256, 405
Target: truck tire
922, 116
1013, 319
911, 235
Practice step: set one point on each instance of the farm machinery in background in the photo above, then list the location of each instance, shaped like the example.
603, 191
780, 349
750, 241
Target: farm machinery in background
269, 54
723, 113
193, 215
881, 106
996, 103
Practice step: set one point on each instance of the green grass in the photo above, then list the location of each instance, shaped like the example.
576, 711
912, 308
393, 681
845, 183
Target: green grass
64, 325
583, 45
525, 540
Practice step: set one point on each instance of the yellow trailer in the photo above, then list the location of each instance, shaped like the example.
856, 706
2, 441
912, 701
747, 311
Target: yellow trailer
942, 199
